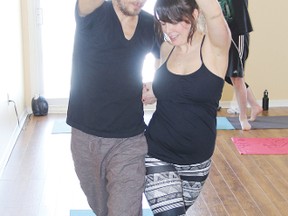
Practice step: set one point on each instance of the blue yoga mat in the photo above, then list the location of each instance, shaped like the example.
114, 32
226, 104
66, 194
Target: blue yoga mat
61, 127
224, 124
146, 212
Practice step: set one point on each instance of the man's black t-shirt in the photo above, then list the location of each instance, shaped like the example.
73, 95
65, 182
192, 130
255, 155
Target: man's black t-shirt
106, 83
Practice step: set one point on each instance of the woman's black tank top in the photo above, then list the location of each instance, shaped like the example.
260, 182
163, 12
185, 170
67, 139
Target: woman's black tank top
183, 128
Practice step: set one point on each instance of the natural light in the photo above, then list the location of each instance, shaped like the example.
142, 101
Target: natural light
57, 45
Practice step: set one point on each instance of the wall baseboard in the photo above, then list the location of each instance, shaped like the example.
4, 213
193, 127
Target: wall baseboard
59, 105
272, 103
12, 142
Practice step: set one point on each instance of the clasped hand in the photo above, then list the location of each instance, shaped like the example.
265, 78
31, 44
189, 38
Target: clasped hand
148, 96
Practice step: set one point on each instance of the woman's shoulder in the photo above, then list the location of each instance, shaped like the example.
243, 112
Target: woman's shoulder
165, 49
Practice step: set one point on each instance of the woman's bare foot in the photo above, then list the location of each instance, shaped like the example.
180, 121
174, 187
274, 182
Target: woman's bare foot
255, 111
245, 124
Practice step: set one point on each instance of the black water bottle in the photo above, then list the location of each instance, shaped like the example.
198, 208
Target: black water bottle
265, 101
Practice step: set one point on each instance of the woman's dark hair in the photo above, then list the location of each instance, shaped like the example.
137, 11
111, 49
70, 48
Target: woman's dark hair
174, 11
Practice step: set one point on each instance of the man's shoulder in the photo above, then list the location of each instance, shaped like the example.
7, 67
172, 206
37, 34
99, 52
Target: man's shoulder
146, 16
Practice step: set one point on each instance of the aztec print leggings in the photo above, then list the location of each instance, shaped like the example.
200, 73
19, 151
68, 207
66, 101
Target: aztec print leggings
171, 189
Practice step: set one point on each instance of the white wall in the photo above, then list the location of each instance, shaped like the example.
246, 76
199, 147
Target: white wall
11, 81
267, 64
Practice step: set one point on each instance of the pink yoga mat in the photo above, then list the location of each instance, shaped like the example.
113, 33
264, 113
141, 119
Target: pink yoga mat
263, 146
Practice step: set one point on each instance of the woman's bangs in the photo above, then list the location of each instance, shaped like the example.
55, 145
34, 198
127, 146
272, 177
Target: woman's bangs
168, 14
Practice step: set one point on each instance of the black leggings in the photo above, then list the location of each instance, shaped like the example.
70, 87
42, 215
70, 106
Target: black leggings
171, 189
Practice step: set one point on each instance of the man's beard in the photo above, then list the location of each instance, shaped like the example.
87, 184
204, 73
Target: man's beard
125, 10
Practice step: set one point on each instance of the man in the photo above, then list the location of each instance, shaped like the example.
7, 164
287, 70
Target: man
238, 19
105, 108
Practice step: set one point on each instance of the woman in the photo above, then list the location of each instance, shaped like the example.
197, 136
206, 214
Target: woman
188, 86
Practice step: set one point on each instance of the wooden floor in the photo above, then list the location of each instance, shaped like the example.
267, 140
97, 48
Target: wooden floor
39, 179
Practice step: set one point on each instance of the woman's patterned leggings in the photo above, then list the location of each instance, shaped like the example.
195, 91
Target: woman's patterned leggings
170, 188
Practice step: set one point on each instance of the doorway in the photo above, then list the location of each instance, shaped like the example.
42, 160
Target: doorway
57, 46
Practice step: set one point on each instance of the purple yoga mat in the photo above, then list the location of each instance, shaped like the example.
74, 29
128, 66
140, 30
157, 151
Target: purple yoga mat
263, 122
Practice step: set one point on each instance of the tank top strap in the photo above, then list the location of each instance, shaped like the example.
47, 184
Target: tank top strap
201, 48
170, 53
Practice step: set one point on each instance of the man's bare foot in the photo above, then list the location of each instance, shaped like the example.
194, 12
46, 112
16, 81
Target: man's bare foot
245, 124
255, 111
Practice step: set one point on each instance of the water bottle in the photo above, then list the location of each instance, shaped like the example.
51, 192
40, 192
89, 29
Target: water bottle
265, 101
